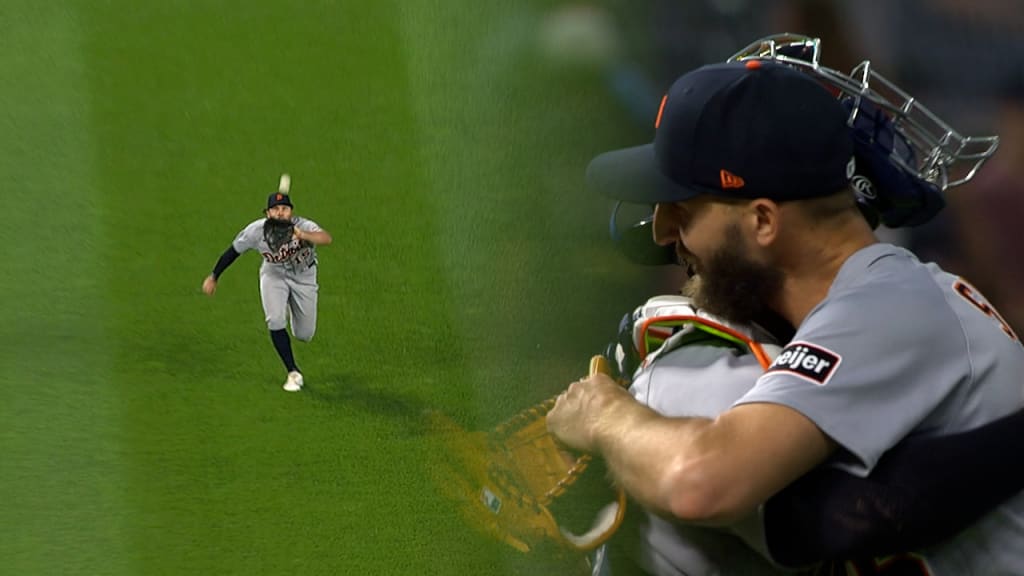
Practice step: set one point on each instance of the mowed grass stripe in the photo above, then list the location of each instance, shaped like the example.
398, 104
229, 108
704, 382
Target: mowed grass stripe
506, 134
62, 481
228, 473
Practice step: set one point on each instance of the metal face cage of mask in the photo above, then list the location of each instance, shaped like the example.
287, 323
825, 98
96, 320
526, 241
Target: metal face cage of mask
943, 156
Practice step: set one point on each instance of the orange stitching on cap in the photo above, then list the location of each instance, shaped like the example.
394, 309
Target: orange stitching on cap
730, 180
661, 108
753, 64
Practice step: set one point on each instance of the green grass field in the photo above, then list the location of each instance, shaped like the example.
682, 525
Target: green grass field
144, 430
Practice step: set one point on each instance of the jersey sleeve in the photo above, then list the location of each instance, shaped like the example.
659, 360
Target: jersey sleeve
868, 367
250, 237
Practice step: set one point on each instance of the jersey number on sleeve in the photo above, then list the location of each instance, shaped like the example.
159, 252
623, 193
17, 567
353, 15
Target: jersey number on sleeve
972, 295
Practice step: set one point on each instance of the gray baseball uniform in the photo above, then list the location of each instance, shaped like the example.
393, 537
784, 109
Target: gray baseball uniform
690, 380
694, 373
288, 283
902, 348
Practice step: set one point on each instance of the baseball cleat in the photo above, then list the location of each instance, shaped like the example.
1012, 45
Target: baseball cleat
294, 382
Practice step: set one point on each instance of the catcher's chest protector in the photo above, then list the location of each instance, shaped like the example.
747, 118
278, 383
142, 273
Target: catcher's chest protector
675, 317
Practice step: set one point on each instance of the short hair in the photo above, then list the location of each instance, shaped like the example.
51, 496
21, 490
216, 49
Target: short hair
827, 208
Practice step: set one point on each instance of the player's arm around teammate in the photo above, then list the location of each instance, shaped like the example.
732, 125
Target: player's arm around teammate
717, 471
712, 472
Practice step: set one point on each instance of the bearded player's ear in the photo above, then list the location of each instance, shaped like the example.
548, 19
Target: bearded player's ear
763, 218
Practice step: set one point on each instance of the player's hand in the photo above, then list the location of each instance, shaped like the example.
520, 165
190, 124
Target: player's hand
584, 408
209, 285
298, 233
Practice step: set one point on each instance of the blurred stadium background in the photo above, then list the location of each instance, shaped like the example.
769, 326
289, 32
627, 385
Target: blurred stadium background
142, 426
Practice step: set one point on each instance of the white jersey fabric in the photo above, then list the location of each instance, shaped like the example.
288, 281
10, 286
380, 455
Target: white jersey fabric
901, 348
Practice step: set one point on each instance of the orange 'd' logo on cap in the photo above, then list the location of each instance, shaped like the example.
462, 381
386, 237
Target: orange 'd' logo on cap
661, 109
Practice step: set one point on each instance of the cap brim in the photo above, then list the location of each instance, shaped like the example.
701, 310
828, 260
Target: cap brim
632, 175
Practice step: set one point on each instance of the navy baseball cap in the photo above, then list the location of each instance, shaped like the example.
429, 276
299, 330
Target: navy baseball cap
278, 198
751, 129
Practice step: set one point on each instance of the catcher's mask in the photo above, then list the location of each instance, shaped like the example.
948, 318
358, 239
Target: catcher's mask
277, 199
907, 156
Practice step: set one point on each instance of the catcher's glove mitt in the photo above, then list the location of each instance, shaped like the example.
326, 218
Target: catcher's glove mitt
278, 233
506, 481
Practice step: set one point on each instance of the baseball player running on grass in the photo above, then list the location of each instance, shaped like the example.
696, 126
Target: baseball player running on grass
288, 283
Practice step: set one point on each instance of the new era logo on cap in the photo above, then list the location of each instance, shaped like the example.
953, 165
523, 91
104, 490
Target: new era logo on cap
807, 361
730, 180
661, 110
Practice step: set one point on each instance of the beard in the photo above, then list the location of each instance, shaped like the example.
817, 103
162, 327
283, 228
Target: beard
732, 286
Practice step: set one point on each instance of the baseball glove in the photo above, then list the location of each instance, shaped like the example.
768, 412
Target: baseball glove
278, 233
516, 484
